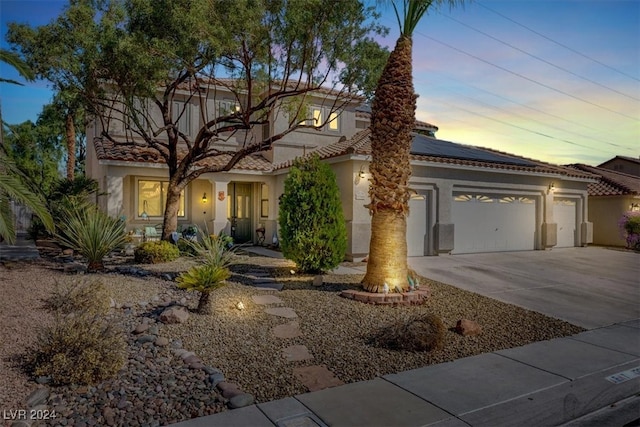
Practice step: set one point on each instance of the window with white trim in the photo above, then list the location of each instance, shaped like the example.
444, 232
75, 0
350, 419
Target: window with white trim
152, 199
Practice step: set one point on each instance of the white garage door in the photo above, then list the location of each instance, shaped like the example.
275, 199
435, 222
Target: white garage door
488, 223
417, 226
564, 213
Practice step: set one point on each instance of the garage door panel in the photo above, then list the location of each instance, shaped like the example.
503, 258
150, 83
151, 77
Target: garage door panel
565, 213
493, 224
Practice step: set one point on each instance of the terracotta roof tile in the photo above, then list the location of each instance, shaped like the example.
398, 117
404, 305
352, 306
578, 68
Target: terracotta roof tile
128, 152
610, 183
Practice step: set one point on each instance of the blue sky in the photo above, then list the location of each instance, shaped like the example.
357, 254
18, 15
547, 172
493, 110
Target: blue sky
557, 81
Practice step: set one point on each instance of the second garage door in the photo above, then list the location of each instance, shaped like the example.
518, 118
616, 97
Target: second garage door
489, 223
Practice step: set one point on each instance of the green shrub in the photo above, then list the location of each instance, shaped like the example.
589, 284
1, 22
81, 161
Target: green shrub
92, 233
312, 227
186, 248
215, 258
156, 252
82, 346
423, 332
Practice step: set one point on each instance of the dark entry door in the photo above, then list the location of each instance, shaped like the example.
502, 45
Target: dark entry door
240, 211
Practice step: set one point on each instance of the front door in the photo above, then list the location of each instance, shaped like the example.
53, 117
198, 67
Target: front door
240, 211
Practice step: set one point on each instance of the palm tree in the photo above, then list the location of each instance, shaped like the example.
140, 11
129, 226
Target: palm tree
11, 186
392, 122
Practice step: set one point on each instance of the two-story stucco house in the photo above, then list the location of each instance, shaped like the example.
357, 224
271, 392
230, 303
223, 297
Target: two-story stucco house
466, 199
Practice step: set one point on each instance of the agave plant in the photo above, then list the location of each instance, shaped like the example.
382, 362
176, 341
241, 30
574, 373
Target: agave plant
211, 273
92, 233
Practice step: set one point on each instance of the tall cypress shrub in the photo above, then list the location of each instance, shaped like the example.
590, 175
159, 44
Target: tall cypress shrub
312, 227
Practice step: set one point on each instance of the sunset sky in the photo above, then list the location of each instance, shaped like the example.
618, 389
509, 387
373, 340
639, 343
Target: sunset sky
557, 81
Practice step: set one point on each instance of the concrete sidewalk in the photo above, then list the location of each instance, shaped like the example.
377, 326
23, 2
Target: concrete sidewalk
541, 384
592, 378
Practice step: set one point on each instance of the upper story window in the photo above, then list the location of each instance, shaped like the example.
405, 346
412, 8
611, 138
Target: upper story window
152, 199
334, 122
318, 115
181, 115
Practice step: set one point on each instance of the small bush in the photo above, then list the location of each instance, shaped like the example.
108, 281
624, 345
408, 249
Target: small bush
424, 332
82, 346
215, 258
156, 252
89, 297
92, 233
629, 226
80, 349
312, 226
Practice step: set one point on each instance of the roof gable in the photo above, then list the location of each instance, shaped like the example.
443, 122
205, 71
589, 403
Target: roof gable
611, 183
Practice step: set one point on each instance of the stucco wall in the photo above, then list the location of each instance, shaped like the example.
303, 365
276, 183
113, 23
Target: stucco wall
604, 213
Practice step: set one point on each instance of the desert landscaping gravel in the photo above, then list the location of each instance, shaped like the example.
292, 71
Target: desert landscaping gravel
157, 387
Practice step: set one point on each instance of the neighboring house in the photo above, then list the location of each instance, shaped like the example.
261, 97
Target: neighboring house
623, 164
466, 199
614, 194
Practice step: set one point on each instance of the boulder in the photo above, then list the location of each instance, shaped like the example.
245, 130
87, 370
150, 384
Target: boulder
241, 400
466, 327
174, 315
318, 280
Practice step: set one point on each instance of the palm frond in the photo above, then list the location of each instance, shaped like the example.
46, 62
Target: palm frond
14, 60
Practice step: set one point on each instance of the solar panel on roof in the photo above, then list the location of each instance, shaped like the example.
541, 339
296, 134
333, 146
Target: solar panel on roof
426, 146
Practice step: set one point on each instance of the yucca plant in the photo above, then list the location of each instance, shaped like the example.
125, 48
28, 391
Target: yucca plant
92, 233
211, 273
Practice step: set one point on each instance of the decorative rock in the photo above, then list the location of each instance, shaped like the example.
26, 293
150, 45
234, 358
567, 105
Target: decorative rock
154, 330
146, 338
286, 312
141, 328
241, 400
191, 359
229, 389
266, 299
186, 354
466, 327
109, 416
75, 268
269, 286
174, 315
67, 252
216, 378
210, 371
296, 353
37, 397
288, 330
161, 341
318, 280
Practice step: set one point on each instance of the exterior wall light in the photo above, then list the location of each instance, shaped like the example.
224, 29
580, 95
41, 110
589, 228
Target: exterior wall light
552, 188
361, 175
204, 198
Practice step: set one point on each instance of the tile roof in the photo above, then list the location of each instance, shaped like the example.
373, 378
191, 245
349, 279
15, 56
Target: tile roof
629, 159
611, 183
360, 144
128, 152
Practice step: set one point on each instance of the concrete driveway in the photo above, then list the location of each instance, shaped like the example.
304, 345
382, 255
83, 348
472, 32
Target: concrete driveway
590, 287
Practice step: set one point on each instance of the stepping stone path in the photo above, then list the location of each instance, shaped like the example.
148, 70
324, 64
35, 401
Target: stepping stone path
266, 299
282, 312
316, 377
288, 330
295, 353
313, 377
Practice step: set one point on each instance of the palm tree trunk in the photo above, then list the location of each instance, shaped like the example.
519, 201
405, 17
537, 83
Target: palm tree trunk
392, 121
70, 131
204, 305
